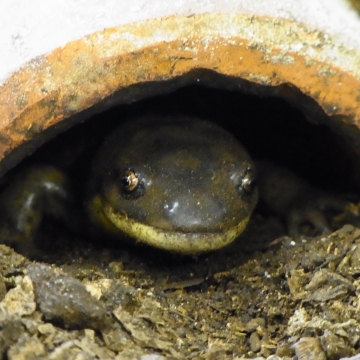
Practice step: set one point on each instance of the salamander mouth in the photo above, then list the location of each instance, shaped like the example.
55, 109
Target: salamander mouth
180, 242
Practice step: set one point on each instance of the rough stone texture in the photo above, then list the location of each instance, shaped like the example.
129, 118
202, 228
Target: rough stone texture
20, 301
55, 296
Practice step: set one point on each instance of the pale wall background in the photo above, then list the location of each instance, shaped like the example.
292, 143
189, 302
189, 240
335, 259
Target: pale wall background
31, 28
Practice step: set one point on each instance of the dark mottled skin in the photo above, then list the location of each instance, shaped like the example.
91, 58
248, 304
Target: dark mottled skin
191, 188
295, 200
191, 170
195, 190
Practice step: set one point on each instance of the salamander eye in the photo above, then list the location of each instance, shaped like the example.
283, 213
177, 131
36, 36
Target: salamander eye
248, 182
129, 180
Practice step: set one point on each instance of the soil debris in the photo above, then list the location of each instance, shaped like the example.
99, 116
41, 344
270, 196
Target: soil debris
297, 298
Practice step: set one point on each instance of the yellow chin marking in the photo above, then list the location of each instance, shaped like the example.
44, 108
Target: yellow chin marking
186, 243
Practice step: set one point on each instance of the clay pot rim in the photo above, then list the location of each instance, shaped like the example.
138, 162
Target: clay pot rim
263, 50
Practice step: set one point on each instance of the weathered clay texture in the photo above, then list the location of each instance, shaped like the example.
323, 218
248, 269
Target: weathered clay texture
102, 67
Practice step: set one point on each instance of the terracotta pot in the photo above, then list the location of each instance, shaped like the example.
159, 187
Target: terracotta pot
258, 55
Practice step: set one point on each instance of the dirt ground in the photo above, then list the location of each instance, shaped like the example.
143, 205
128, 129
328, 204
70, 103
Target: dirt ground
279, 299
